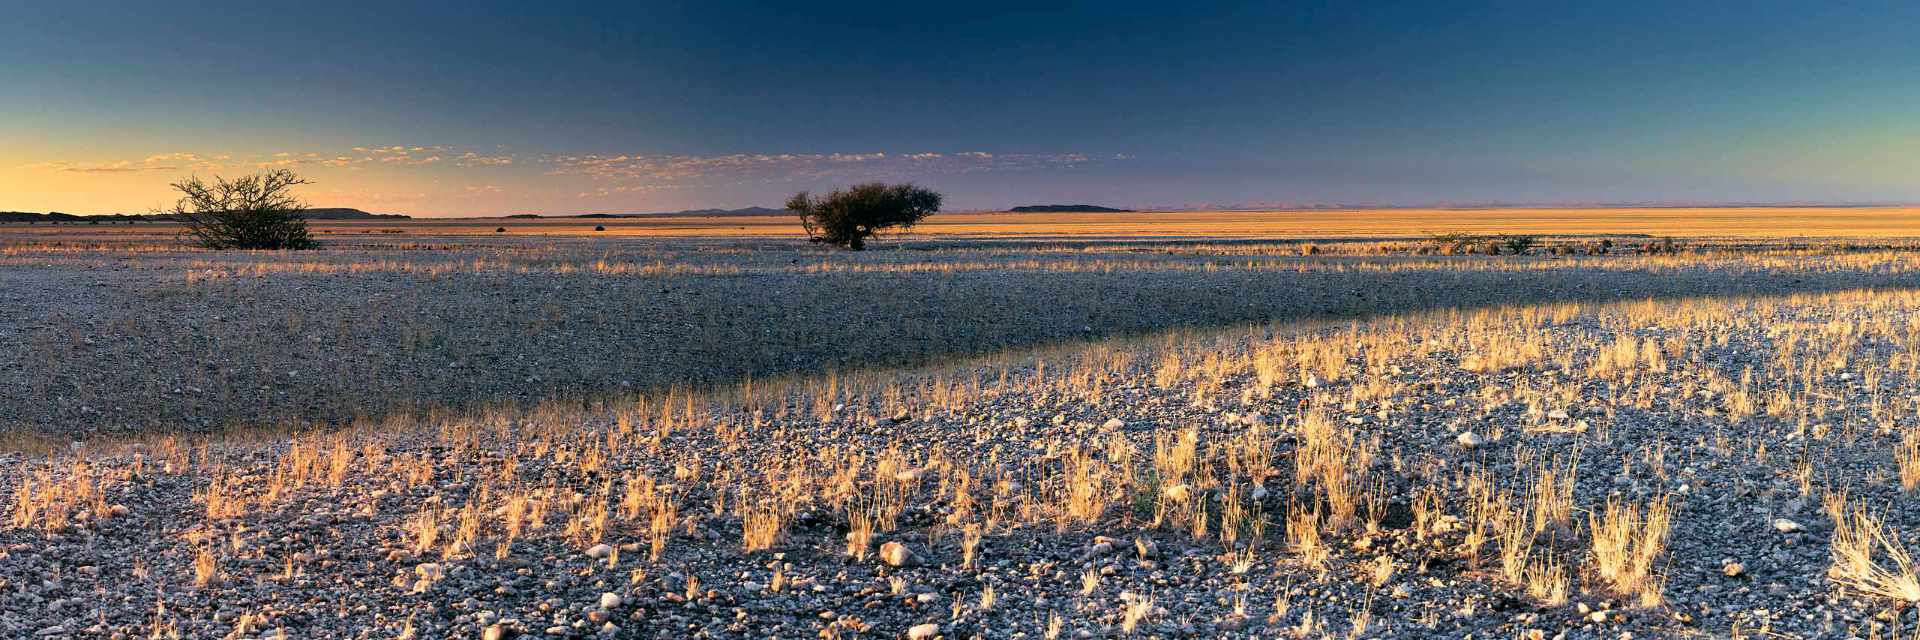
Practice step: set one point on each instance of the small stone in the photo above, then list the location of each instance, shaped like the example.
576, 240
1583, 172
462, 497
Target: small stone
1558, 414
923, 632
599, 551
1470, 439
1733, 569
1784, 525
1113, 424
117, 511
611, 600
1145, 548
1177, 493
896, 554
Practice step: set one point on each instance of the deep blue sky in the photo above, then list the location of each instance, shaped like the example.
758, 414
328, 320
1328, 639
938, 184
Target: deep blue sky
581, 107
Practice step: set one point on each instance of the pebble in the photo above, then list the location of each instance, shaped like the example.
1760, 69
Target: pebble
896, 554
923, 631
610, 601
599, 551
1470, 439
1784, 525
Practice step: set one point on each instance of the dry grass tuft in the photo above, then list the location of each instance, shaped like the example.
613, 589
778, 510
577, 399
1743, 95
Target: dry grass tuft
1626, 544
1869, 558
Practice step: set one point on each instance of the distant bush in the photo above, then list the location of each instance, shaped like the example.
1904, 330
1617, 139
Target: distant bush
250, 212
847, 218
1466, 244
1665, 246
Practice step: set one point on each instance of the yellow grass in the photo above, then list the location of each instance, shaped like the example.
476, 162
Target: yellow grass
1873, 222
1728, 222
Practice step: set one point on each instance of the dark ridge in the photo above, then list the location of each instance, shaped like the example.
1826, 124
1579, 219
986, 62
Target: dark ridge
1066, 208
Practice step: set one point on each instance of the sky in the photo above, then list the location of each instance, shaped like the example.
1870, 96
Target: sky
490, 108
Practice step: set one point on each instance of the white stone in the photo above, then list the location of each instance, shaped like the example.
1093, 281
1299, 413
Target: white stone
1470, 439
923, 632
1784, 525
599, 551
1113, 424
611, 600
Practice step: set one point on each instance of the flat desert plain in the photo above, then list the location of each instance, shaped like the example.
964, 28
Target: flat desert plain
1585, 423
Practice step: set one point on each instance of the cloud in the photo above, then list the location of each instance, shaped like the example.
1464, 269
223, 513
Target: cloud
472, 159
674, 168
123, 166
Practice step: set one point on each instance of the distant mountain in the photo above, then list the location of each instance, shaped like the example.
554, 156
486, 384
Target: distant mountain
1066, 208
335, 213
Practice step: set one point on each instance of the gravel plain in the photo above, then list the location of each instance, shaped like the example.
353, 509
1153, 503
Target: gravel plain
510, 441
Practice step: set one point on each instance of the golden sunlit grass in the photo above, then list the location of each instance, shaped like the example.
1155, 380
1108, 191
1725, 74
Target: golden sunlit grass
1869, 558
1725, 222
1866, 222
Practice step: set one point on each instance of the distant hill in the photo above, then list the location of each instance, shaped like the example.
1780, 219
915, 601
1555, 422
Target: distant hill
22, 216
335, 213
348, 214
1066, 208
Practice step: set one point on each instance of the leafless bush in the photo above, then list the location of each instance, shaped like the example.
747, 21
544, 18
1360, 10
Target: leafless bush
249, 212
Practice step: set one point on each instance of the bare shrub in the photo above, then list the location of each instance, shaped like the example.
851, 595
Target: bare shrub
249, 212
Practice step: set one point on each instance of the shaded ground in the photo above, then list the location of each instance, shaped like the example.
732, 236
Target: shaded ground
117, 340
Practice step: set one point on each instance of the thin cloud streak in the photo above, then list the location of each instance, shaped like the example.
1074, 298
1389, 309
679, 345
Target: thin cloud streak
803, 166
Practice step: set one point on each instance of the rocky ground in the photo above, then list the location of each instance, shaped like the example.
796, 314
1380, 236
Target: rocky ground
1671, 468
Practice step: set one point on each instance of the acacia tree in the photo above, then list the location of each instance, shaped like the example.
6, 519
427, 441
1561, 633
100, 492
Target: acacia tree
847, 218
249, 212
